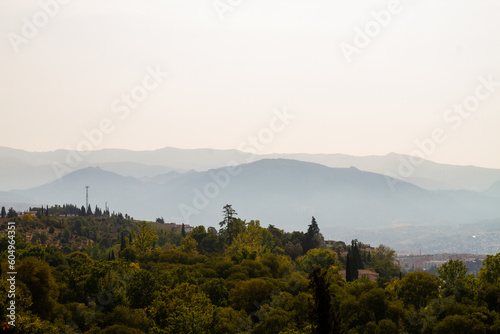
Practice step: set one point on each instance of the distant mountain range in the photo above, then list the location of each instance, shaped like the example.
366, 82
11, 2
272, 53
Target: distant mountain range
277, 191
192, 186
22, 170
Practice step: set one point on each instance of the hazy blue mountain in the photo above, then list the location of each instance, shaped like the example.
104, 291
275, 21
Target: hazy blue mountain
494, 190
287, 193
19, 202
119, 192
429, 175
18, 174
137, 170
282, 192
21, 169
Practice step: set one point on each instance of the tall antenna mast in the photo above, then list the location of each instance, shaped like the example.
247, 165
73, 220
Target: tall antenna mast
87, 197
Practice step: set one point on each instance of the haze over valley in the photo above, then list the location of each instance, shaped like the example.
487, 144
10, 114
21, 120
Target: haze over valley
347, 194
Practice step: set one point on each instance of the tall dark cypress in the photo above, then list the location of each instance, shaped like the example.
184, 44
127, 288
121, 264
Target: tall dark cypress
312, 236
323, 316
351, 273
348, 269
122, 243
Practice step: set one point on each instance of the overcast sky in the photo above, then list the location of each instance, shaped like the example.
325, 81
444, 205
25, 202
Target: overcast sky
353, 84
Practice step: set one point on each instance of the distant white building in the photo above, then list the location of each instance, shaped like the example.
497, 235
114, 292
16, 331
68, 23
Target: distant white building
430, 264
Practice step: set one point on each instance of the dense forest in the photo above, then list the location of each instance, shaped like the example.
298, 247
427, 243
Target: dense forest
93, 271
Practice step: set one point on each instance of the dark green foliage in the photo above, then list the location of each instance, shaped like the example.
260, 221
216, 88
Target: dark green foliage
37, 276
82, 211
351, 269
418, 288
141, 289
322, 314
104, 279
216, 289
353, 262
313, 237
227, 225
12, 213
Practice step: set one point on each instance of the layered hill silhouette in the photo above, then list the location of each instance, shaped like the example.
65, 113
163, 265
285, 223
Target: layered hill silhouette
22, 170
282, 192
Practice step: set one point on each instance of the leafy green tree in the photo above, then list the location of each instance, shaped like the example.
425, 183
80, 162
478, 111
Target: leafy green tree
231, 321
459, 324
198, 233
490, 271
383, 261
66, 237
418, 288
129, 318
141, 289
128, 254
285, 312
43, 238
216, 289
3, 212
183, 310
451, 271
143, 238
189, 245
249, 295
317, 258
23, 297
452, 275
75, 277
37, 276
279, 265
250, 241
210, 244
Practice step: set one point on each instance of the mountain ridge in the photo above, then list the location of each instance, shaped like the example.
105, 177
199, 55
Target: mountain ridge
283, 192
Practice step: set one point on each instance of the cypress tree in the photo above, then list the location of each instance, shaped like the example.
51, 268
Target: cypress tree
312, 237
322, 315
351, 268
122, 243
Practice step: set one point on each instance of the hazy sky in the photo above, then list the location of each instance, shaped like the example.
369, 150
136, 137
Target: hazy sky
231, 63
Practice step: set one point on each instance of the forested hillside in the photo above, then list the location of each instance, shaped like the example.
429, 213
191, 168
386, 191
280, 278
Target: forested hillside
91, 271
